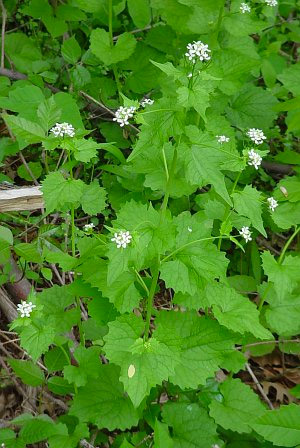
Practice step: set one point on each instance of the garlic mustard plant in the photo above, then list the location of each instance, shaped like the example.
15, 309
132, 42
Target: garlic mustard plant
123, 115
122, 239
62, 130
25, 308
222, 139
254, 159
244, 8
256, 135
246, 234
197, 50
272, 204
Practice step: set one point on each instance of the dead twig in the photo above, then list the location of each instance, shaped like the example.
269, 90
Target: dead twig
259, 387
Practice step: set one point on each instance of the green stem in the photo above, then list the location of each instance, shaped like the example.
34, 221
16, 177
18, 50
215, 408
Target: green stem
287, 245
110, 27
169, 181
141, 281
73, 246
280, 261
264, 296
155, 276
228, 208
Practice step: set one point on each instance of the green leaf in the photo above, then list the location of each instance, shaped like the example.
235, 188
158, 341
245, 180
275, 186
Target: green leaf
55, 359
71, 50
204, 162
143, 364
162, 436
197, 97
55, 300
35, 339
48, 113
81, 374
102, 402
290, 78
234, 311
238, 408
40, 428
69, 109
59, 192
100, 46
153, 236
284, 275
28, 251
192, 427
248, 203
202, 343
280, 426
283, 314
60, 386
196, 262
84, 149
80, 76
29, 372
139, 11
252, 107
93, 198
6, 236
36, 169
25, 131
25, 100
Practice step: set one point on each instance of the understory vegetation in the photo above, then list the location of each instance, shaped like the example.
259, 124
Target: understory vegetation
153, 298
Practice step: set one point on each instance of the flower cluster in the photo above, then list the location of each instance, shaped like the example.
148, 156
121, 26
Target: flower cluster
123, 114
246, 234
271, 2
147, 101
245, 8
222, 139
25, 309
88, 227
254, 159
272, 204
199, 50
256, 135
122, 239
62, 129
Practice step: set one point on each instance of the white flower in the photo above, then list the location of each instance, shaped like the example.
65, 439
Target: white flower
190, 75
222, 139
189, 229
25, 309
62, 129
246, 234
272, 204
147, 101
199, 50
256, 135
254, 159
122, 239
271, 2
245, 8
123, 114
88, 227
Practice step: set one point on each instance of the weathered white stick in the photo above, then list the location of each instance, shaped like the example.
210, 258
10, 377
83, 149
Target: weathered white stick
17, 199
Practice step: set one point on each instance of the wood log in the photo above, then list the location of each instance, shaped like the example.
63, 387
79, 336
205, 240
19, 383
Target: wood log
18, 199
